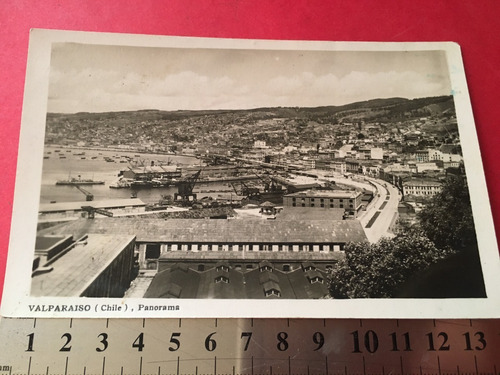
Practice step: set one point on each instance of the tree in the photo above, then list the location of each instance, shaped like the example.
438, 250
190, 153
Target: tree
448, 222
378, 270
447, 219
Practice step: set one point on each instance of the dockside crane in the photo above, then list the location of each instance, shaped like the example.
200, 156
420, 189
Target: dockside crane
269, 183
91, 211
88, 195
249, 191
245, 190
238, 192
185, 188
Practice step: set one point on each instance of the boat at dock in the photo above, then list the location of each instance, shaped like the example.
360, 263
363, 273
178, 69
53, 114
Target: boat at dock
153, 183
121, 183
79, 181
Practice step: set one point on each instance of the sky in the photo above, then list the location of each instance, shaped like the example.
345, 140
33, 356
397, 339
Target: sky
100, 78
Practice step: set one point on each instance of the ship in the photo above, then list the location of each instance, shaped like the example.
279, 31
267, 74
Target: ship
153, 183
79, 181
121, 183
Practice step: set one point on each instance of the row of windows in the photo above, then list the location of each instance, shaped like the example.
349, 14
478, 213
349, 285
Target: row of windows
421, 192
423, 187
225, 279
239, 267
253, 247
321, 205
322, 200
250, 266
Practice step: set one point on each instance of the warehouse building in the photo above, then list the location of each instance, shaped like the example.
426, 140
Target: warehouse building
73, 210
191, 256
95, 265
421, 187
149, 172
224, 281
348, 200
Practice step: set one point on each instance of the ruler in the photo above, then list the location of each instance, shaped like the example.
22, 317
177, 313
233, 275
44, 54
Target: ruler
248, 347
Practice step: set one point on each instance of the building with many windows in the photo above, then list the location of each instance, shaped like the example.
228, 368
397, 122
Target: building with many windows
229, 258
348, 200
421, 187
263, 281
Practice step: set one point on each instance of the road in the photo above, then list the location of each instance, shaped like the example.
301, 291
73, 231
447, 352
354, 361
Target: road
381, 214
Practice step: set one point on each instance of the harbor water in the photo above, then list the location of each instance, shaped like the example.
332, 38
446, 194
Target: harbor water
104, 165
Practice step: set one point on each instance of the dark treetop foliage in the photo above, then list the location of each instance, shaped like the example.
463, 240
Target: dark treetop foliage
447, 219
378, 270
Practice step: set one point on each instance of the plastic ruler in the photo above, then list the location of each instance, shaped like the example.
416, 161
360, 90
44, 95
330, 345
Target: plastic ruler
248, 346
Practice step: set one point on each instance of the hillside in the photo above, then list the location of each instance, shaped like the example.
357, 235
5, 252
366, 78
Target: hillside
281, 124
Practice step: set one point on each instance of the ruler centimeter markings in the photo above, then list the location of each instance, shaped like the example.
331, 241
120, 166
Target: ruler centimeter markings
248, 347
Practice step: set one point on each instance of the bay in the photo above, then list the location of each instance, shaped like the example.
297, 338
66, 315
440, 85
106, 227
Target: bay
63, 163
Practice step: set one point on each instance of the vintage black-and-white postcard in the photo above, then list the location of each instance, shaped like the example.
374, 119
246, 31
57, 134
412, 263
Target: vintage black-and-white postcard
188, 177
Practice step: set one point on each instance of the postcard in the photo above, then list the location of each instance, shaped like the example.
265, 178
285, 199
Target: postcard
195, 177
